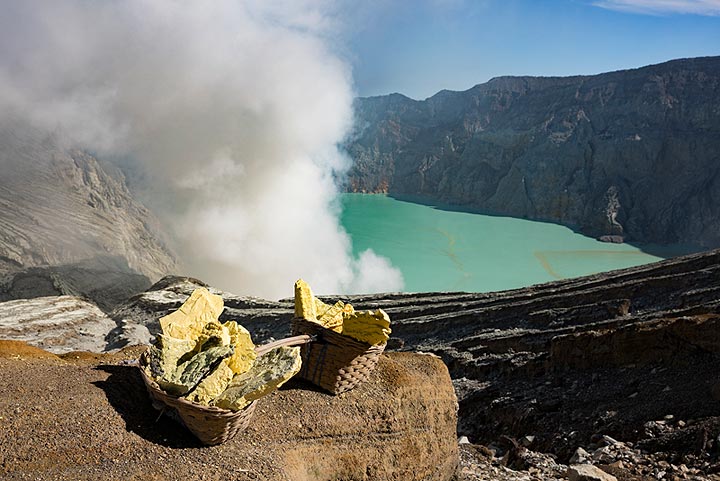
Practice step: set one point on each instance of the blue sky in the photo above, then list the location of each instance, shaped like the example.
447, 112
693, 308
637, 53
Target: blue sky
418, 47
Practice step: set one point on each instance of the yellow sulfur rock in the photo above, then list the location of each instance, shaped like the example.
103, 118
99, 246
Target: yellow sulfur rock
213, 334
370, 327
332, 317
213, 385
367, 326
239, 362
304, 301
244, 355
190, 320
270, 371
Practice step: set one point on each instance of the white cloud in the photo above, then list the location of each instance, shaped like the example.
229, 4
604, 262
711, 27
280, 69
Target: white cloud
662, 7
233, 109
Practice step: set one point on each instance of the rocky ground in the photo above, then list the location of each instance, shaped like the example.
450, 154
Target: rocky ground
87, 416
622, 366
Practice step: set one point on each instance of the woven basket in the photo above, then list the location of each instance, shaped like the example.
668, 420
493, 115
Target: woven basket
334, 362
211, 425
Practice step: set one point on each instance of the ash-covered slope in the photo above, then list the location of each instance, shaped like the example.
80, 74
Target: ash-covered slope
59, 206
634, 153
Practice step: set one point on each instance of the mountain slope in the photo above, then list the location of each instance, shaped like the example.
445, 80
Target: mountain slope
634, 153
59, 206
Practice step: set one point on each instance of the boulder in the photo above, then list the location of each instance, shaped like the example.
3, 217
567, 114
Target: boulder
588, 472
88, 417
56, 323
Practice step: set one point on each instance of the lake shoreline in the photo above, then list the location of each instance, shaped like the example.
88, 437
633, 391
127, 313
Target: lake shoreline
455, 246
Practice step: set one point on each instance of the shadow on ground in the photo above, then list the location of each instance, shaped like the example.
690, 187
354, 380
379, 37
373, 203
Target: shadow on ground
125, 391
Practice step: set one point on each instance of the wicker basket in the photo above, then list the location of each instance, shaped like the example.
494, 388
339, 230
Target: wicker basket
211, 425
334, 362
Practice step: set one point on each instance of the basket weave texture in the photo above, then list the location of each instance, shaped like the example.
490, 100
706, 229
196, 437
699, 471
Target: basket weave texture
334, 362
210, 424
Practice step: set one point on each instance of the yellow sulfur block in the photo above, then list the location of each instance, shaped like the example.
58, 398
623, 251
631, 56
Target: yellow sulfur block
368, 326
304, 301
244, 355
332, 318
213, 385
270, 371
189, 321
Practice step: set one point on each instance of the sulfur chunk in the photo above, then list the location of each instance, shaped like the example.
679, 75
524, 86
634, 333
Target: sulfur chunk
189, 321
304, 301
214, 384
213, 334
332, 317
370, 327
313, 309
244, 355
190, 372
166, 354
270, 371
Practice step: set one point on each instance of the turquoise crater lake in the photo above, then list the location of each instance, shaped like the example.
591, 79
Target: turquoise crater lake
442, 250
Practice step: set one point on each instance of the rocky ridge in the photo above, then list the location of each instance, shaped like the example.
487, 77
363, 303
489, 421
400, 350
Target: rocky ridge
627, 155
106, 286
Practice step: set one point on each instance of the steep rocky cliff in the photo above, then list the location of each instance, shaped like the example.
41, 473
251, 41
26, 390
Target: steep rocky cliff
633, 153
59, 206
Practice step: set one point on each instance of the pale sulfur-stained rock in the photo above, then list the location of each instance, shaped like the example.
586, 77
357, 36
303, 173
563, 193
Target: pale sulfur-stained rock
270, 371
214, 384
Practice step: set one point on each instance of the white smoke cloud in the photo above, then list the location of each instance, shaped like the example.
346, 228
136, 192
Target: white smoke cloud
233, 108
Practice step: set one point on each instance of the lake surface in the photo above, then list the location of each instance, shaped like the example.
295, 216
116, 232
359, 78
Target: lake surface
441, 250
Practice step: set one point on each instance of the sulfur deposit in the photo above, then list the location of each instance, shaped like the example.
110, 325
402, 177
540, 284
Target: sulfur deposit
366, 326
213, 363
